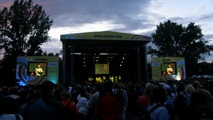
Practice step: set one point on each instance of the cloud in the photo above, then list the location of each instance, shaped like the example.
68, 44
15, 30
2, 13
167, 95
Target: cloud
75, 13
53, 46
5, 3
130, 16
206, 17
71, 16
209, 38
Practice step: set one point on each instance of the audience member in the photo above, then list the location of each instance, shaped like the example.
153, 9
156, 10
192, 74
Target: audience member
108, 106
8, 109
122, 97
144, 100
158, 98
201, 106
46, 107
69, 104
93, 100
82, 104
189, 89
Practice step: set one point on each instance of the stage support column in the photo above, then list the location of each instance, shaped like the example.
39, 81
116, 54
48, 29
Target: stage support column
138, 63
64, 59
145, 65
72, 77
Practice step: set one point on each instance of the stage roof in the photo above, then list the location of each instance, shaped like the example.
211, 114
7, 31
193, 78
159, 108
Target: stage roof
84, 42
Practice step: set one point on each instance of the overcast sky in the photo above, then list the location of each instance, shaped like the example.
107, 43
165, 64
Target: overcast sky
129, 16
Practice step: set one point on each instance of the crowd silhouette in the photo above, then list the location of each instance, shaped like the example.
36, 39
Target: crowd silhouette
189, 99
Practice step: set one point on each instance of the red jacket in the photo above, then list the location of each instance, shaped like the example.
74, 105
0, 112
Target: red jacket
143, 101
108, 107
72, 107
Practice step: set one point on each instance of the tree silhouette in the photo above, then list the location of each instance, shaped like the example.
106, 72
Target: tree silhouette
24, 27
174, 40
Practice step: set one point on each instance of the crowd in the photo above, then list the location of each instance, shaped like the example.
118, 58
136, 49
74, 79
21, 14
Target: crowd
189, 99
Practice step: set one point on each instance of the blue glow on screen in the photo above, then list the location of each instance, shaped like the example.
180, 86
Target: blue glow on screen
22, 76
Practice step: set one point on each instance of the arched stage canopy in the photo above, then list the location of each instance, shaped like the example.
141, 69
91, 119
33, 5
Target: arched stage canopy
124, 54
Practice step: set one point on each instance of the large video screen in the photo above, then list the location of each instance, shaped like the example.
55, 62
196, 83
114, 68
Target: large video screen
37, 68
168, 68
33, 70
102, 68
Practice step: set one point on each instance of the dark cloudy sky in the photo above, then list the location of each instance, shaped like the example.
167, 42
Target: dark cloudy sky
129, 16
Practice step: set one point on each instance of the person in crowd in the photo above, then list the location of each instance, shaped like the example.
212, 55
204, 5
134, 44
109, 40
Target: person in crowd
93, 100
45, 107
135, 90
122, 97
170, 98
76, 92
82, 104
144, 100
34, 93
13, 92
69, 104
9, 109
180, 88
158, 98
196, 84
180, 101
201, 106
1, 92
170, 94
189, 89
108, 106
88, 91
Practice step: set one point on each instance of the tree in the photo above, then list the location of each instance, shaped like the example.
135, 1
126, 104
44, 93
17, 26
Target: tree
205, 68
174, 40
24, 27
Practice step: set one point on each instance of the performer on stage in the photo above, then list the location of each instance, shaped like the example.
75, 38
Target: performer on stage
170, 70
39, 71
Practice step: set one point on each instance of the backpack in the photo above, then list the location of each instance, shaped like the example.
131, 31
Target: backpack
146, 114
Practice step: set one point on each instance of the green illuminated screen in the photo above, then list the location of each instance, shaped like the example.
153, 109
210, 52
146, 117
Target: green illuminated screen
27, 65
33, 69
101, 69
